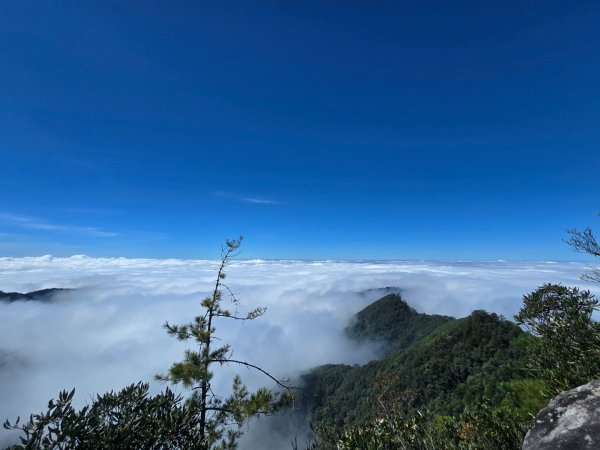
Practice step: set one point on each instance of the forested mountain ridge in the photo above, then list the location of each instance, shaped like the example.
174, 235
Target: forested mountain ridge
42, 295
392, 321
433, 362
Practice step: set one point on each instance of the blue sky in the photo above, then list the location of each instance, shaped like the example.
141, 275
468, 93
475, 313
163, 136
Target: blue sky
330, 130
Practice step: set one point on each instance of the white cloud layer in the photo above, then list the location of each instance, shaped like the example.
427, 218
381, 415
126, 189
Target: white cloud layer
108, 332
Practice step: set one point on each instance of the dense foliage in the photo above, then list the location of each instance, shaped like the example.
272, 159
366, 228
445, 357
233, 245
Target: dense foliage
129, 419
566, 352
483, 428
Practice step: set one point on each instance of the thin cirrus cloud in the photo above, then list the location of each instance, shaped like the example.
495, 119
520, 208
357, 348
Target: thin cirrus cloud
260, 201
34, 223
93, 211
245, 199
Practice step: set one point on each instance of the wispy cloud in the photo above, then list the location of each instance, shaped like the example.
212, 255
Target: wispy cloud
34, 223
94, 211
242, 198
260, 201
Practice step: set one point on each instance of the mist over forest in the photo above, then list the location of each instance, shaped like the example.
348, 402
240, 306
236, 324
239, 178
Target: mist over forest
104, 331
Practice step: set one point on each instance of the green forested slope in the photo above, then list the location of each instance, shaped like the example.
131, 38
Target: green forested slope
435, 362
392, 321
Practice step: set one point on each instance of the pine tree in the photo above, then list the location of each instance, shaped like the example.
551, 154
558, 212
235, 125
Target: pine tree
220, 418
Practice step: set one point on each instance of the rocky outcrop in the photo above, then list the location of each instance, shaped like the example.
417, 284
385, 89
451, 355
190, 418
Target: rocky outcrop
570, 422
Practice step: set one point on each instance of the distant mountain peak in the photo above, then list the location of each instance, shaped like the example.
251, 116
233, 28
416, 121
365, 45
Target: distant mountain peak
42, 295
392, 320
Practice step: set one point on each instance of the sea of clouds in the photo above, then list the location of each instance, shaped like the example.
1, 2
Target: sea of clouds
107, 332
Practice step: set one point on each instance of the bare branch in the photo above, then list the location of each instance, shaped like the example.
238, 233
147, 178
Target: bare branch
262, 412
234, 299
280, 383
230, 316
592, 275
583, 241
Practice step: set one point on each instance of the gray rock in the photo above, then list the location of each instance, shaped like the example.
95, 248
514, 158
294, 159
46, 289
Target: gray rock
571, 421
